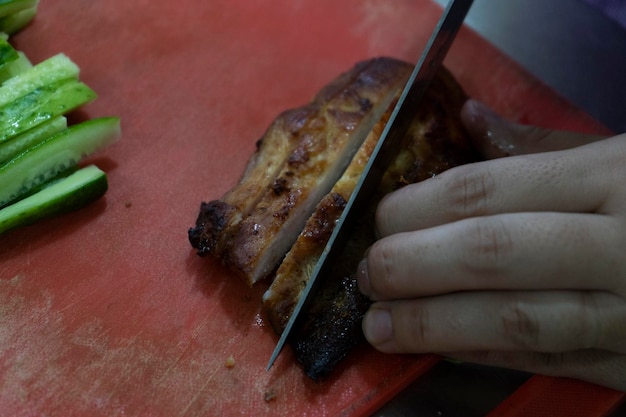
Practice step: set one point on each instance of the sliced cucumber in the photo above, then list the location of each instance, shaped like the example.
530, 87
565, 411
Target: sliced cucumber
13, 68
14, 22
8, 7
39, 164
20, 143
53, 70
39, 154
7, 53
41, 105
61, 175
70, 193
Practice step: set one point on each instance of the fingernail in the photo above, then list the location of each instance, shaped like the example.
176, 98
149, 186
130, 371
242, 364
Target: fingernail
489, 132
362, 278
478, 109
377, 326
478, 117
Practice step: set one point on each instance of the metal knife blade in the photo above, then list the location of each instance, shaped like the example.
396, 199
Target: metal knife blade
387, 146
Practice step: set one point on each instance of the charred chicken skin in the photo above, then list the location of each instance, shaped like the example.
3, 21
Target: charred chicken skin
276, 221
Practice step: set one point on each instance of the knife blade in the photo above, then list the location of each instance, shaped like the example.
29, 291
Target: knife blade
382, 155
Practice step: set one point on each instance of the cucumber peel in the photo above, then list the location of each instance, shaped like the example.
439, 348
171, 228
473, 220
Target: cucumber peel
30, 138
53, 70
16, 21
13, 68
42, 104
7, 53
44, 161
70, 193
9, 7
40, 175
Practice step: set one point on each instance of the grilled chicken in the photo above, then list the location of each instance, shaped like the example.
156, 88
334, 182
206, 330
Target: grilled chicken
297, 266
435, 142
297, 162
295, 188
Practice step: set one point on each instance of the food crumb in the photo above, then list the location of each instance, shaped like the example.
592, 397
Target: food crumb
230, 362
270, 395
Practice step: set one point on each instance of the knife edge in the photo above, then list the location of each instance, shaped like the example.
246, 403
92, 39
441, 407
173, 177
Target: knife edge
395, 129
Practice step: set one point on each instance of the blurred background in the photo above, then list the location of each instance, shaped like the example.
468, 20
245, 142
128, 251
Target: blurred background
614, 9
577, 47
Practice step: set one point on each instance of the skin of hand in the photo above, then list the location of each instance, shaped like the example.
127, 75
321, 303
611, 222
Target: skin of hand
516, 262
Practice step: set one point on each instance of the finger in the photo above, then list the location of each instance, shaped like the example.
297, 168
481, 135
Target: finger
595, 366
568, 251
579, 180
550, 321
496, 137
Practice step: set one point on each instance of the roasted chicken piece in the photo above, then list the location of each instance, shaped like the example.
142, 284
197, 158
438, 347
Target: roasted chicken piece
297, 162
435, 142
296, 207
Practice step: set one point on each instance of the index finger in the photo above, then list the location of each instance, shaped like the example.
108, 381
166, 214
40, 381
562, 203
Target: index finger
496, 137
577, 180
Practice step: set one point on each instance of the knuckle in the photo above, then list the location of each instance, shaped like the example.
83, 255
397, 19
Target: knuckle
415, 332
467, 192
521, 327
588, 315
381, 269
488, 246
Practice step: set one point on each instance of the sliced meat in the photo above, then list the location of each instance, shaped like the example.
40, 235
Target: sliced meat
253, 241
218, 219
297, 266
297, 183
435, 142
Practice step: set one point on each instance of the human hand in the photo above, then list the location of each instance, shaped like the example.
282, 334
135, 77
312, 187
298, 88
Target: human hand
516, 262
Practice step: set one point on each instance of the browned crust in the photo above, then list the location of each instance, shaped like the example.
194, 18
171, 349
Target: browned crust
435, 142
217, 220
292, 275
313, 167
241, 227
253, 225
331, 326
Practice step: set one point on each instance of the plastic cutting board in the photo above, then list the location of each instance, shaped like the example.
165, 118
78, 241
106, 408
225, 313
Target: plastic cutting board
108, 311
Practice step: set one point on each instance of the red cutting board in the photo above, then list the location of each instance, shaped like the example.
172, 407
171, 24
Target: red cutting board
108, 311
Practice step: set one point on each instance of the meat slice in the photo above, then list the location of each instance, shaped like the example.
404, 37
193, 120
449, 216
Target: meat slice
253, 226
297, 266
436, 141
279, 216
218, 219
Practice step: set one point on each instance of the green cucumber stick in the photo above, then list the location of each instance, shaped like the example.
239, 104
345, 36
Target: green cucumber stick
13, 68
8, 7
44, 161
30, 138
70, 193
41, 105
52, 70
7, 53
14, 22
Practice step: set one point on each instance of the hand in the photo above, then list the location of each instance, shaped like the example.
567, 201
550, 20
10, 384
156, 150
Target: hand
517, 262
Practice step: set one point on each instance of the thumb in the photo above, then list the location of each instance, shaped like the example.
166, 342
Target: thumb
496, 137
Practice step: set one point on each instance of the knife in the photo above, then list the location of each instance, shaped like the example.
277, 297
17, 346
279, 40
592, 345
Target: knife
386, 148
